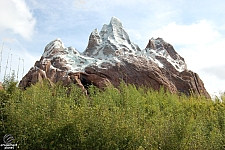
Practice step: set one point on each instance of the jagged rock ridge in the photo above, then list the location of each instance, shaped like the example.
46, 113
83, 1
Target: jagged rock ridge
111, 57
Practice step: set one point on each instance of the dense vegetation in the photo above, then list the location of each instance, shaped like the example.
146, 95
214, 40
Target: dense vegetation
44, 117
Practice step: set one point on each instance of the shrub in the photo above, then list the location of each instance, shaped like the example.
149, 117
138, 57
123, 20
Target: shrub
45, 117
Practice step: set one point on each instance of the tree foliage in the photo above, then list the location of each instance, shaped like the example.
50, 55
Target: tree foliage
127, 117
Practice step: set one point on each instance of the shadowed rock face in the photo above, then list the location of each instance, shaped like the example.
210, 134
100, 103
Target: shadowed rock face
111, 57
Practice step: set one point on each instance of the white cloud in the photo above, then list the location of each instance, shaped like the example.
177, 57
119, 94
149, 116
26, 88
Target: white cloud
198, 33
218, 71
213, 84
99, 4
16, 17
202, 47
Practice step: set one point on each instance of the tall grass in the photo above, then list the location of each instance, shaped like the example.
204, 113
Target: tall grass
1, 58
10, 69
18, 68
9, 61
23, 68
6, 67
46, 117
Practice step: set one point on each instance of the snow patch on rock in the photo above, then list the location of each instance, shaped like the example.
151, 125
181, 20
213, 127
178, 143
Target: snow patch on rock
158, 49
110, 45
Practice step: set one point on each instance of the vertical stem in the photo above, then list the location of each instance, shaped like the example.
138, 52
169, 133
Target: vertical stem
1, 58
23, 68
3, 123
6, 67
10, 65
18, 69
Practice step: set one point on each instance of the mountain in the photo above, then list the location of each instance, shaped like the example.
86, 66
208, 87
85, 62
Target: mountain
111, 57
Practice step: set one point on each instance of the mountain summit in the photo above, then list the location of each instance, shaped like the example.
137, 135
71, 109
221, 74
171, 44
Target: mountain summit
111, 57
111, 38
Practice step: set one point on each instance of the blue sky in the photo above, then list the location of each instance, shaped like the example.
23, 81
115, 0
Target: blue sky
195, 28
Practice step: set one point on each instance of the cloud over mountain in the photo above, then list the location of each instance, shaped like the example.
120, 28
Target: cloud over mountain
17, 18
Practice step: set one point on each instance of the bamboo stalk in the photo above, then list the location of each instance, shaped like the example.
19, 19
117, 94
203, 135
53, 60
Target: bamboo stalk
18, 69
1, 59
10, 65
6, 67
23, 68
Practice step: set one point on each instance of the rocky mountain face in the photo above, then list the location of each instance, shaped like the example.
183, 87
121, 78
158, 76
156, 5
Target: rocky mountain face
111, 57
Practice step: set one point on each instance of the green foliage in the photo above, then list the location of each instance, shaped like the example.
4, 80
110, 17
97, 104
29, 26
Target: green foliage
6, 95
45, 117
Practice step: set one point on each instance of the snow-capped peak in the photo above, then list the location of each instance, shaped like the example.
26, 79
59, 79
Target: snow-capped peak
162, 52
57, 43
115, 22
95, 32
111, 38
53, 47
111, 45
115, 33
